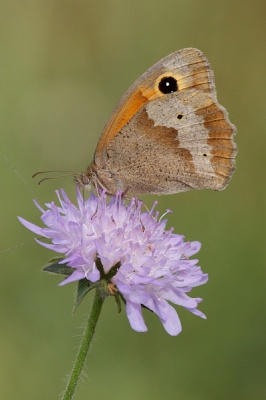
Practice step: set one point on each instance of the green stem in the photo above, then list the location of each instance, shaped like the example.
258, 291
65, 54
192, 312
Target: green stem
84, 347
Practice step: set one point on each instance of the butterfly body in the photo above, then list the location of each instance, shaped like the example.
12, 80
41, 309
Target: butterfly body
168, 134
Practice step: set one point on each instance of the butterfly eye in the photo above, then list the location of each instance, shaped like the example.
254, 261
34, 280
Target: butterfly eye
168, 84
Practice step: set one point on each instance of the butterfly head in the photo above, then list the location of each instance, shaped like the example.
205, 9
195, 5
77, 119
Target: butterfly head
85, 179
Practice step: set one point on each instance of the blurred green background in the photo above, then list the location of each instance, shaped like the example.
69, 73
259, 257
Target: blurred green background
63, 67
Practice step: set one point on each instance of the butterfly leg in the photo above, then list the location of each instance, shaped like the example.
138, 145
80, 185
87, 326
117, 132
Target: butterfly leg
125, 192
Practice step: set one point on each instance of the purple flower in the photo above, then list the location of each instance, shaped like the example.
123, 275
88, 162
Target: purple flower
152, 264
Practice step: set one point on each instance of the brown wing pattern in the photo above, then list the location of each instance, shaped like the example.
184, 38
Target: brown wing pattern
191, 70
173, 144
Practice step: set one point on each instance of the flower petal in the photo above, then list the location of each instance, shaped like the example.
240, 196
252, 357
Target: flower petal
135, 317
31, 227
171, 323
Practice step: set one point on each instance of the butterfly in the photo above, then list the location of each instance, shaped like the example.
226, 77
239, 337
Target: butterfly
168, 134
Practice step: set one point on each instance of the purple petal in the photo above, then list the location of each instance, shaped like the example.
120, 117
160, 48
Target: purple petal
34, 228
93, 275
135, 317
75, 276
197, 312
54, 247
171, 323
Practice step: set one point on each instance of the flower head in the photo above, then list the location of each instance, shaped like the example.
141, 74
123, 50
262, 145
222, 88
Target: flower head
150, 265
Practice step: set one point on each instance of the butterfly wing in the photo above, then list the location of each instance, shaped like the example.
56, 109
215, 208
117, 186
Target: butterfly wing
168, 133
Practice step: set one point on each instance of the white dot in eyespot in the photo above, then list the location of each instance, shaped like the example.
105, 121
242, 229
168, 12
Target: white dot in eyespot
167, 84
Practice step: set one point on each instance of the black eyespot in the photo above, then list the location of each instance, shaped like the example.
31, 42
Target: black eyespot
168, 84
180, 116
204, 155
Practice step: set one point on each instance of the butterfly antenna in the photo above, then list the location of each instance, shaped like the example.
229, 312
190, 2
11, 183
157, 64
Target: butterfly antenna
68, 173
48, 172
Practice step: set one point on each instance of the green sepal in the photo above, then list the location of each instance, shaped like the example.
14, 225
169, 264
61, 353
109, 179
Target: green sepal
122, 297
103, 289
55, 268
55, 259
84, 286
118, 302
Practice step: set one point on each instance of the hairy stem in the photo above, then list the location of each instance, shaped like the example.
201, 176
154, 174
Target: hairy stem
84, 347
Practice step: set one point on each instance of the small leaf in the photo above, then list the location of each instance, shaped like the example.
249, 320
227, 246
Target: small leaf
84, 286
55, 259
56, 268
118, 302
122, 297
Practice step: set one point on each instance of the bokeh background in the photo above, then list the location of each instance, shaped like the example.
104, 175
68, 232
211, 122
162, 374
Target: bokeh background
63, 67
